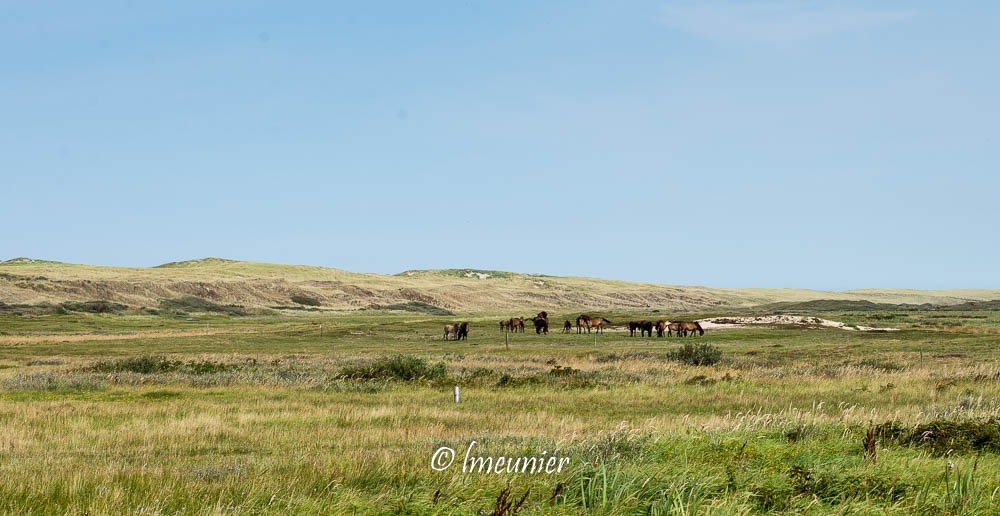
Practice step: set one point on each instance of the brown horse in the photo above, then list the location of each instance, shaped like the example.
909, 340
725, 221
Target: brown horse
449, 329
594, 322
674, 327
515, 324
661, 327
632, 326
462, 331
503, 325
583, 322
567, 327
691, 327
646, 329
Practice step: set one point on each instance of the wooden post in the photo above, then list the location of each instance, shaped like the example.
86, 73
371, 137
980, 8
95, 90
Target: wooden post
321, 330
506, 341
456, 394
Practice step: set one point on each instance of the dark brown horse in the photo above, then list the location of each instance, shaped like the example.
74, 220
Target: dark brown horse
503, 325
583, 322
463, 331
541, 324
661, 327
567, 327
516, 324
691, 327
632, 326
646, 329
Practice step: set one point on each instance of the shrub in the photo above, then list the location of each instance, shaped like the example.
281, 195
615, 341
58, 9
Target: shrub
881, 364
305, 300
399, 367
416, 306
697, 354
197, 304
94, 307
45, 361
150, 364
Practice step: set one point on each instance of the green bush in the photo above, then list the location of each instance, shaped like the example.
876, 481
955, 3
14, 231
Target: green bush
94, 307
196, 304
697, 354
399, 367
150, 364
305, 300
881, 364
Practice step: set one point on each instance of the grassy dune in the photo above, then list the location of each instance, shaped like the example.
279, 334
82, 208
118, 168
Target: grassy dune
261, 285
212, 414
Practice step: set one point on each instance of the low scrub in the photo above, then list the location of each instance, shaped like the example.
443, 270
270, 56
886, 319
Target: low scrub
697, 354
305, 300
415, 306
881, 364
944, 435
150, 364
196, 304
399, 367
93, 307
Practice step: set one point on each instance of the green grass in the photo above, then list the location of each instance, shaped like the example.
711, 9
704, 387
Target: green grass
334, 413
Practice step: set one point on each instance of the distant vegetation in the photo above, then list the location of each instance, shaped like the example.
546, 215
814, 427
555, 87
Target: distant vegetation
305, 300
415, 306
840, 305
94, 307
195, 304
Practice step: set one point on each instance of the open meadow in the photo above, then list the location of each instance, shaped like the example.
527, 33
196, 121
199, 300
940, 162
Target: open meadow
333, 412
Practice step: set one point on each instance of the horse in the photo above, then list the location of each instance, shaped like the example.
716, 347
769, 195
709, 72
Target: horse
661, 327
581, 322
567, 327
691, 327
503, 325
450, 328
674, 327
632, 326
594, 322
541, 325
462, 332
516, 323
646, 329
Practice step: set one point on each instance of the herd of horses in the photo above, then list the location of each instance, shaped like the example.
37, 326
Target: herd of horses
680, 328
541, 323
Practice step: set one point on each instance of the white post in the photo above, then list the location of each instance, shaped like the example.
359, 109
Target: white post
456, 394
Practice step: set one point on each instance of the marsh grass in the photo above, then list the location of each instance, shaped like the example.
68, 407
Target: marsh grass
265, 415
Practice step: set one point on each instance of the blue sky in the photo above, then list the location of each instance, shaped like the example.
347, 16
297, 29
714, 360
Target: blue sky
740, 144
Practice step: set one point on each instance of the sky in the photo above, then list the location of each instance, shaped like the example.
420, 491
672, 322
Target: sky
776, 143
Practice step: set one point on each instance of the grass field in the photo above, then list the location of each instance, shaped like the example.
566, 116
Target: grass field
206, 414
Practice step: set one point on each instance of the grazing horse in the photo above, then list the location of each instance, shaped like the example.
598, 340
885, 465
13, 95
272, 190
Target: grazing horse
449, 329
541, 325
691, 327
567, 327
515, 324
632, 326
674, 327
646, 329
503, 324
661, 328
462, 331
583, 322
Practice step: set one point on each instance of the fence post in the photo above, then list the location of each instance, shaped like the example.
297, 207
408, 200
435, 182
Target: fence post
506, 341
456, 394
